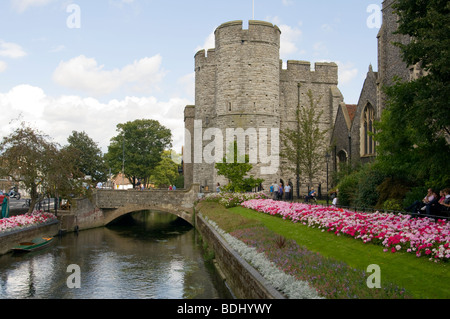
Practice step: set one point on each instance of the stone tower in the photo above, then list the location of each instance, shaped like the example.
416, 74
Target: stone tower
390, 61
241, 87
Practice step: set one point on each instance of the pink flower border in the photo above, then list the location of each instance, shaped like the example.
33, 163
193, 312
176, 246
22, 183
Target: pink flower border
396, 232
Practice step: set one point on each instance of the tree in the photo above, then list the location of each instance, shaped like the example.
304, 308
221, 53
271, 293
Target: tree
235, 167
166, 173
137, 149
27, 156
303, 146
414, 130
428, 25
89, 157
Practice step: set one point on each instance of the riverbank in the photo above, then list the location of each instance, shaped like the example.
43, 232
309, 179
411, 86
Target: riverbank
12, 238
402, 275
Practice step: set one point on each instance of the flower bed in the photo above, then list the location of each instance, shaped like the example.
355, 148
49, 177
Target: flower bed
25, 221
233, 199
422, 236
332, 279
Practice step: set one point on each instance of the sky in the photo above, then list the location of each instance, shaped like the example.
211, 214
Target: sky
83, 65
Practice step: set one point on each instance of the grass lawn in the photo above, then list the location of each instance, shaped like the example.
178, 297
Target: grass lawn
421, 278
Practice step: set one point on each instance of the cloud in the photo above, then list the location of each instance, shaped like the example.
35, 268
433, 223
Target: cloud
57, 48
210, 43
187, 82
59, 116
347, 72
3, 66
11, 50
84, 74
290, 36
289, 39
22, 5
320, 49
287, 2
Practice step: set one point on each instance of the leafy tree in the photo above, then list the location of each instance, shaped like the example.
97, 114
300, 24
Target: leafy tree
303, 146
428, 23
138, 149
414, 130
89, 157
28, 156
166, 173
235, 169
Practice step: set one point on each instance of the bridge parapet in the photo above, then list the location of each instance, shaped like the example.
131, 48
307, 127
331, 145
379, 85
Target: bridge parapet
110, 199
115, 203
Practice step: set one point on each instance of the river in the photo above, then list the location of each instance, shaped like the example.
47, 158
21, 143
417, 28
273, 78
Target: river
145, 255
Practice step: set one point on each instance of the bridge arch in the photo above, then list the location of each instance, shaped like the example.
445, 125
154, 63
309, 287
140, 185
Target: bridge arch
111, 215
116, 203
106, 205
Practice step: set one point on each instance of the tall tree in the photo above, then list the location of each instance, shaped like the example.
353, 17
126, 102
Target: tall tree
303, 146
414, 131
89, 157
137, 149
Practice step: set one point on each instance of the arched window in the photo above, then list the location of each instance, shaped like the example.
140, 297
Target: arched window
342, 156
367, 141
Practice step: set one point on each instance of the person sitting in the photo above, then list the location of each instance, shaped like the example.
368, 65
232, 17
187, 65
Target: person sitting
431, 204
442, 208
419, 206
311, 195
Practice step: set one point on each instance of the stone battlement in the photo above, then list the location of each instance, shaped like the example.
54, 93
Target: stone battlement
258, 31
325, 72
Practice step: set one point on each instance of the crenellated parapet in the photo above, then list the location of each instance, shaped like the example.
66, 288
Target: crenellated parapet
258, 31
323, 72
205, 58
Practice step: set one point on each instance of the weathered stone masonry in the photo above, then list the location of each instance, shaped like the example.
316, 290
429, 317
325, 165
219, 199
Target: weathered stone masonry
241, 84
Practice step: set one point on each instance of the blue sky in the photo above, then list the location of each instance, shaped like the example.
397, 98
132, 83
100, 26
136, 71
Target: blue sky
89, 65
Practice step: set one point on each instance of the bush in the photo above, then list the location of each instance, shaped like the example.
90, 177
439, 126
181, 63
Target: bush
392, 189
416, 193
393, 204
348, 188
368, 180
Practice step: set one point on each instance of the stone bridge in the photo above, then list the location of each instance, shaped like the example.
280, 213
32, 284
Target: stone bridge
107, 205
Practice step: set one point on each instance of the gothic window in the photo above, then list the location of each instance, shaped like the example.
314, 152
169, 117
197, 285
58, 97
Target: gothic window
367, 141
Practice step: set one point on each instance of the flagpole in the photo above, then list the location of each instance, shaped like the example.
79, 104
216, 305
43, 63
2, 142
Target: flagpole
253, 9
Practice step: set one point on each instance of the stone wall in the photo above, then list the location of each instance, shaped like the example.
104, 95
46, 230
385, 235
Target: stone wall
241, 84
11, 239
108, 205
244, 281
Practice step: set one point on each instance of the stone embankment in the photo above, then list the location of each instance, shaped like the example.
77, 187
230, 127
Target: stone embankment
10, 239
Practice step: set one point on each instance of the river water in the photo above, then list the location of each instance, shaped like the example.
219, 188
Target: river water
146, 255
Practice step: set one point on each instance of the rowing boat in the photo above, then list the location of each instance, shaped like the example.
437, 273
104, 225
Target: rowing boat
35, 244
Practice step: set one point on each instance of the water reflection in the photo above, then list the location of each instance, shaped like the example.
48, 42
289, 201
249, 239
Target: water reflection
145, 255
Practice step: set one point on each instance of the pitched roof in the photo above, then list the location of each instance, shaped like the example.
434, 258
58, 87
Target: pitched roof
351, 109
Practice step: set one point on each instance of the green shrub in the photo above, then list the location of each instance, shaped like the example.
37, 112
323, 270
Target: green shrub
348, 188
416, 193
393, 204
368, 180
392, 188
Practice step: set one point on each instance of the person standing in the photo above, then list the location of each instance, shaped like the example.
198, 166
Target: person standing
280, 192
275, 190
287, 192
4, 200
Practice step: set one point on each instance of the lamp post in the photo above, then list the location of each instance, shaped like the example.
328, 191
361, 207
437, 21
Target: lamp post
327, 159
298, 132
350, 149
